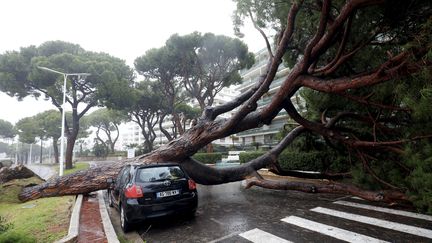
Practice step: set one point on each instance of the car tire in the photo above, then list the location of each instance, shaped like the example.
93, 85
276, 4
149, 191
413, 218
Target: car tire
125, 225
110, 201
191, 214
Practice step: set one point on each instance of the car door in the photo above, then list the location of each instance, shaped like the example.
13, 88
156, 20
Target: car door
119, 184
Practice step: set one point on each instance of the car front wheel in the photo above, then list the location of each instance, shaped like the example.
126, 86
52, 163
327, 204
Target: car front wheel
125, 225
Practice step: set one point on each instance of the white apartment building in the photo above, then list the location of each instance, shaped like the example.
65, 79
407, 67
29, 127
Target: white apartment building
264, 135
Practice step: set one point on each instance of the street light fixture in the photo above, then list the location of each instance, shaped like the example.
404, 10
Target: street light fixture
65, 75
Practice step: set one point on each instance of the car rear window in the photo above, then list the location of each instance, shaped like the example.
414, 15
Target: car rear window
159, 173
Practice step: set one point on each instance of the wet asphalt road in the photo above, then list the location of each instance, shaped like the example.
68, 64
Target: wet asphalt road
227, 210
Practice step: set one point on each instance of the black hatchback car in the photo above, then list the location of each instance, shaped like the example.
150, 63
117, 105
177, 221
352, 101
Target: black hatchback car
147, 191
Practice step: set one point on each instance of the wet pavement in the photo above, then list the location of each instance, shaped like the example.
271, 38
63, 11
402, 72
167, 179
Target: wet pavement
228, 211
43, 171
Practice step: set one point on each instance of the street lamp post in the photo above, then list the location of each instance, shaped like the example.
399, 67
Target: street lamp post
65, 75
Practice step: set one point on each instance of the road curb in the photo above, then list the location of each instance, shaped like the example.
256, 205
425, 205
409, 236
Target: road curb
74, 222
106, 222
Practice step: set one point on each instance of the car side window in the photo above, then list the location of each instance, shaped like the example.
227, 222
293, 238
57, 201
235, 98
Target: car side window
125, 176
121, 177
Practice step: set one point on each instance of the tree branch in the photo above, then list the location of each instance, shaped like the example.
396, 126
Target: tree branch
330, 187
251, 104
262, 34
207, 175
393, 68
318, 35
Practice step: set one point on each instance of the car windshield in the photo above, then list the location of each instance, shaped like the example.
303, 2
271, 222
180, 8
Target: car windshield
159, 174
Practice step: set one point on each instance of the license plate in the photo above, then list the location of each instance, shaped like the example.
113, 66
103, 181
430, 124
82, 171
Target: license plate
168, 193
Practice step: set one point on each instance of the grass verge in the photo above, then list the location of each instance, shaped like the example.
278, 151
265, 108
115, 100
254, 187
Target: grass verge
41, 220
77, 167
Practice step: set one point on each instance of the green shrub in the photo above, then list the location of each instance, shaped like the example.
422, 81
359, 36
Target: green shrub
294, 160
4, 226
208, 158
245, 157
16, 237
309, 161
100, 150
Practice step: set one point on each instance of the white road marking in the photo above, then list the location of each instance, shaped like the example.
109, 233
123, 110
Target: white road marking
376, 222
385, 210
259, 236
358, 198
334, 232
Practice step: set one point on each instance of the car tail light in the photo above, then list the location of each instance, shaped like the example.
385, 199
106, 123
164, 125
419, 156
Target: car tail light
192, 184
133, 191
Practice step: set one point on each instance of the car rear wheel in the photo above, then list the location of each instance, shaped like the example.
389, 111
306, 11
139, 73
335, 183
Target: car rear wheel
125, 225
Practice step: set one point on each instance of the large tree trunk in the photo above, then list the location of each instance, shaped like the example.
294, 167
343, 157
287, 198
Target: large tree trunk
180, 151
69, 149
56, 151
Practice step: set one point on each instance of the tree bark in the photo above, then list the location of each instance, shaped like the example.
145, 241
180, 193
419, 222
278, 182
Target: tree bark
69, 148
331, 187
55, 148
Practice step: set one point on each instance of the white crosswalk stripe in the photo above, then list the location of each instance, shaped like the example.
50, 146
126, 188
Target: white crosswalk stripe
385, 210
259, 236
334, 232
376, 222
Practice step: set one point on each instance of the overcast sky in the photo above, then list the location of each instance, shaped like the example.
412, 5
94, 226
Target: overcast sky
125, 29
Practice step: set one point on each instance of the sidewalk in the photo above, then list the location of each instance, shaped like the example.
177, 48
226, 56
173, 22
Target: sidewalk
43, 171
90, 225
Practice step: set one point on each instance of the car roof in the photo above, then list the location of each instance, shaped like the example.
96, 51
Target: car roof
157, 164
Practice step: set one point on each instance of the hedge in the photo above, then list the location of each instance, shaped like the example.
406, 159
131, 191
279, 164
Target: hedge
293, 160
309, 161
245, 157
208, 158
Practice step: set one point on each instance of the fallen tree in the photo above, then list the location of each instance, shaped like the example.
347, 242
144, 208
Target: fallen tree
18, 172
322, 63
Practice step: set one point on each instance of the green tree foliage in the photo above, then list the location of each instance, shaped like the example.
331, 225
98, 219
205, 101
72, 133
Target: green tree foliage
193, 66
6, 129
147, 107
49, 123
159, 65
20, 77
100, 150
28, 130
208, 63
107, 121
